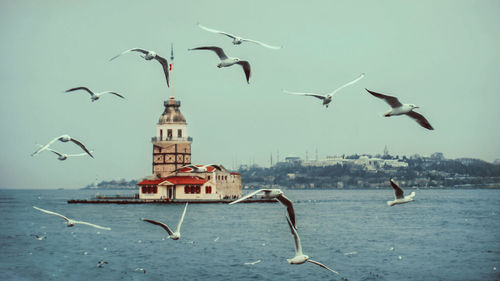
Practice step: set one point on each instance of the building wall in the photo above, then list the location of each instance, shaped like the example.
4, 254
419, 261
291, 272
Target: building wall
174, 127
161, 193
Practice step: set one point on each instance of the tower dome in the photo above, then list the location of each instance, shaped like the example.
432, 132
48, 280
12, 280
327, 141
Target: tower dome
172, 114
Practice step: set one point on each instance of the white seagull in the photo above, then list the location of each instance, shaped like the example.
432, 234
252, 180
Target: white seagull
149, 55
270, 193
328, 97
172, 235
399, 195
227, 61
63, 138
300, 258
238, 40
399, 109
94, 96
70, 221
200, 169
64, 156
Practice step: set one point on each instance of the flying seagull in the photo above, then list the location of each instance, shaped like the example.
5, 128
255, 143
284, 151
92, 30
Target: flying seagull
399, 195
149, 55
400, 109
70, 221
238, 40
300, 258
63, 138
172, 235
63, 156
328, 97
200, 169
227, 61
273, 193
94, 96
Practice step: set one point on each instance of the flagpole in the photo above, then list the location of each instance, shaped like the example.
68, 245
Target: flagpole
171, 69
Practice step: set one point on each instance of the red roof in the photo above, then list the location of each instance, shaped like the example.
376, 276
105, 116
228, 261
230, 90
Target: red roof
234, 173
185, 180
152, 182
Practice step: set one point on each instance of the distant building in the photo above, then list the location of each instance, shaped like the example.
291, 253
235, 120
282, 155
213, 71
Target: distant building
172, 178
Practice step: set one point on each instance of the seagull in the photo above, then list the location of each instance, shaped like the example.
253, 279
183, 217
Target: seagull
172, 235
63, 156
70, 221
200, 169
300, 258
328, 97
93, 96
37, 237
238, 40
253, 262
63, 138
399, 196
400, 109
273, 193
101, 263
227, 61
149, 55
141, 269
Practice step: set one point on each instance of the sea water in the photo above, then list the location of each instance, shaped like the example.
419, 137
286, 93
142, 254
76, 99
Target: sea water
442, 235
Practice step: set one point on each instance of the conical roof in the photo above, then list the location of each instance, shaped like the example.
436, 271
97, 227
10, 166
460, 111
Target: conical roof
172, 114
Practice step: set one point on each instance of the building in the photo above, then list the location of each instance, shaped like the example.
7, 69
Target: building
174, 179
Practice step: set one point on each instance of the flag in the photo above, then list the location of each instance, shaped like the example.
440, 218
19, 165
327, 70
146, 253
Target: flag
170, 67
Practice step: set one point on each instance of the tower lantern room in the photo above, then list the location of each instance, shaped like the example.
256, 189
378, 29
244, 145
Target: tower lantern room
171, 146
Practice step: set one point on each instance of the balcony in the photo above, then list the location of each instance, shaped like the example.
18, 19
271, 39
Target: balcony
154, 139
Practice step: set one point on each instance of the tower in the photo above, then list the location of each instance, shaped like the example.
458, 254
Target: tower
171, 146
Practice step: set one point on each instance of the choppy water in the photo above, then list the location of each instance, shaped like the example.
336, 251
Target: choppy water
442, 235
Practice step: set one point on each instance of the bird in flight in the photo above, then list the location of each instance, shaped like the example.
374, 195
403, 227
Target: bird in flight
71, 222
94, 96
174, 235
237, 40
62, 138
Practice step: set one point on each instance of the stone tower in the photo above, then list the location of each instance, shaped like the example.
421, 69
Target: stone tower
171, 146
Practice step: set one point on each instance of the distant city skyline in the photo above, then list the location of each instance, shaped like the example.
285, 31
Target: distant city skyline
440, 55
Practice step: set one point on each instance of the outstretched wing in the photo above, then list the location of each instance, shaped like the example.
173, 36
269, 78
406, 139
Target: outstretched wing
56, 152
289, 207
262, 44
80, 144
164, 64
348, 84
246, 67
93, 225
322, 265
216, 31
217, 50
44, 147
114, 93
51, 213
306, 94
178, 229
164, 226
131, 50
247, 196
420, 119
81, 88
397, 190
298, 245
392, 101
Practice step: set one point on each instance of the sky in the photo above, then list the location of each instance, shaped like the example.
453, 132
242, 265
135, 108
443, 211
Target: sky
442, 56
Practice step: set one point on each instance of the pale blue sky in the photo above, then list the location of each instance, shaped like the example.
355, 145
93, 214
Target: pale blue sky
440, 55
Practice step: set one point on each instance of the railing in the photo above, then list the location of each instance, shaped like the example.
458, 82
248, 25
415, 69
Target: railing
153, 139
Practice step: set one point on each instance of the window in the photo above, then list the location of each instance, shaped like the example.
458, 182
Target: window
169, 134
192, 189
198, 189
179, 133
208, 189
186, 189
148, 189
161, 134
208, 177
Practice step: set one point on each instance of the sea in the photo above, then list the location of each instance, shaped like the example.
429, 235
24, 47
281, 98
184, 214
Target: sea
442, 235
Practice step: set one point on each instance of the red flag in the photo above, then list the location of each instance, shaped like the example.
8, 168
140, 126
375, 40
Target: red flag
170, 67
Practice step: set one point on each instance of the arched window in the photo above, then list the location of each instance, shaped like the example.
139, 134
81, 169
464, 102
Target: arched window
186, 189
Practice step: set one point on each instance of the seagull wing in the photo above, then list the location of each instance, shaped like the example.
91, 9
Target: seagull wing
114, 93
247, 196
216, 31
81, 88
51, 213
164, 226
298, 245
217, 50
306, 94
44, 147
131, 50
164, 63
178, 229
91, 224
392, 101
348, 84
289, 207
80, 144
79, 154
56, 152
322, 265
420, 119
262, 44
246, 67
397, 190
